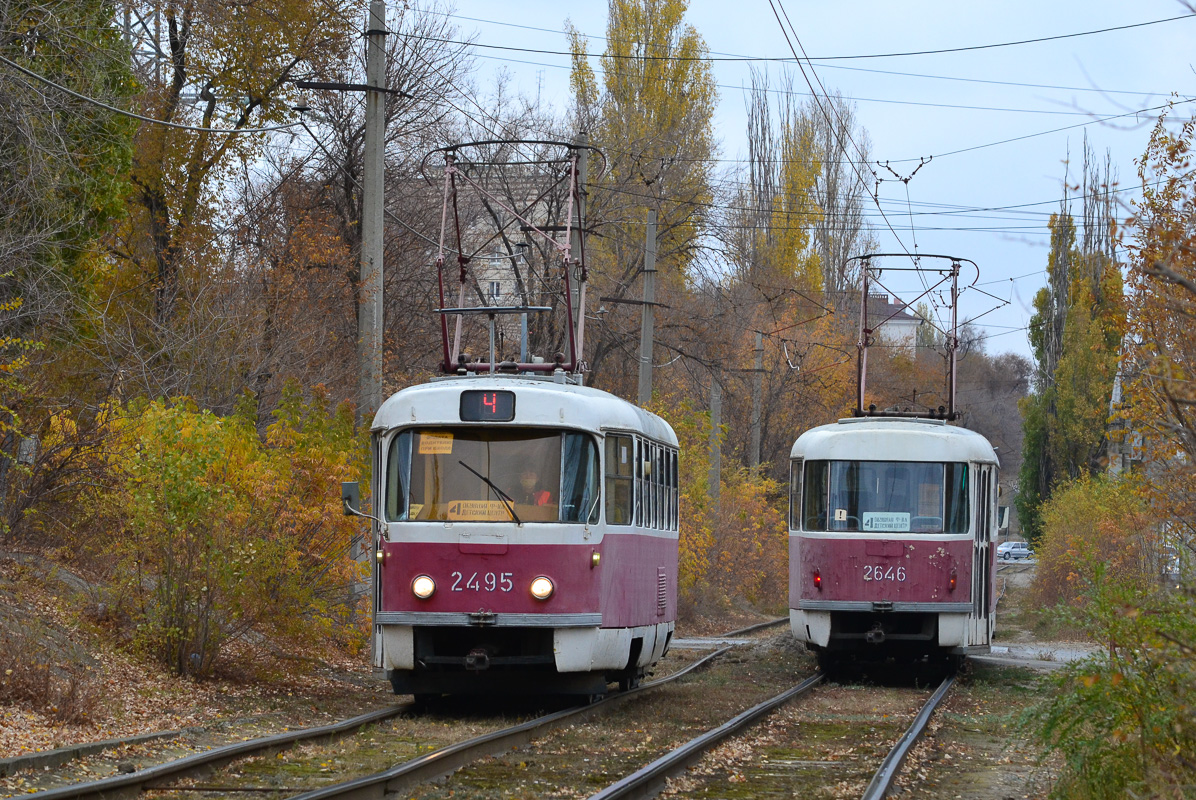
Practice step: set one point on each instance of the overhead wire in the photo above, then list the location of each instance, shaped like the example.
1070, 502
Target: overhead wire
123, 112
828, 66
886, 101
806, 58
845, 132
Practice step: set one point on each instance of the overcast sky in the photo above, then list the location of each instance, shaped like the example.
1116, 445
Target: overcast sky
980, 197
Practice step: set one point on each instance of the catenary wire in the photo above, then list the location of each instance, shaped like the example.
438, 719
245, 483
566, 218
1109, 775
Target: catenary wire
807, 59
123, 112
830, 66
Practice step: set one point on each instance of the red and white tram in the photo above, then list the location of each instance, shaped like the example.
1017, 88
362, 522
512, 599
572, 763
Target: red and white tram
892, 539
528, 536
892, 523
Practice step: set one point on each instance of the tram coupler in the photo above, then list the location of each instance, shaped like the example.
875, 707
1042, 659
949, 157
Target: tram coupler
477, 660
876, 635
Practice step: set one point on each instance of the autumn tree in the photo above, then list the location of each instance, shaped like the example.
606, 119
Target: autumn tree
296, 244
1075, 335
64, 163
841, 230
1159, 429
651, 118
223, 72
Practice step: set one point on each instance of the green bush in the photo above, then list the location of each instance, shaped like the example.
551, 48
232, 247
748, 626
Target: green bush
1123, 720
1093, 520
218, 537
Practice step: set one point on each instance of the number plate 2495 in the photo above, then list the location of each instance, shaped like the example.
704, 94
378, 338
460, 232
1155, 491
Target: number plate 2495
482, 581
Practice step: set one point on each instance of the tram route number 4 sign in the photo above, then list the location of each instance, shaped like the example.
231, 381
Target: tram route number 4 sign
884, 521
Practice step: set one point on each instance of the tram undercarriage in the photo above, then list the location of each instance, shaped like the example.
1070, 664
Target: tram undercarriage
425, 660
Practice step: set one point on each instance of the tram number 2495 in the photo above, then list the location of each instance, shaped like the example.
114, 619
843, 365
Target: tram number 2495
880, 572
483, 582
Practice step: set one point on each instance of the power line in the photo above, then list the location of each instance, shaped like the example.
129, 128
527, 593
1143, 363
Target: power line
828, 66
807, 58
846, 131
854, 99
125, 113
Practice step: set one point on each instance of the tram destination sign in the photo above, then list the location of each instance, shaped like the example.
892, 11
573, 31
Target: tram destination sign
483, 406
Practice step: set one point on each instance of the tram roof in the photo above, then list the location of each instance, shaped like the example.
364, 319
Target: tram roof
540, 401
892, 439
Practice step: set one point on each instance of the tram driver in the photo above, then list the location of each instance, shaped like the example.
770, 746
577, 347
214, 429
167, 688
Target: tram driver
533, 493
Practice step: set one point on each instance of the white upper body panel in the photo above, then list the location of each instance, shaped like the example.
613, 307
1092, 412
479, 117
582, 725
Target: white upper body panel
539, 402
893, 439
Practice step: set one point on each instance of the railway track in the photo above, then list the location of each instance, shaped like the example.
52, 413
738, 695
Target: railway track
651, 779
439, 762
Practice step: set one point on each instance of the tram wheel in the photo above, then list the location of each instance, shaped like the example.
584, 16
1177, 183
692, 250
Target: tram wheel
830, 663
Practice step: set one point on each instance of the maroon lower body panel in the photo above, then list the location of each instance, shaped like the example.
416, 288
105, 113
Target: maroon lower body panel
879, 570
632, 582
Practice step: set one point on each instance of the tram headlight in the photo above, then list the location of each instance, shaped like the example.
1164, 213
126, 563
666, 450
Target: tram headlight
542, 588
423, 587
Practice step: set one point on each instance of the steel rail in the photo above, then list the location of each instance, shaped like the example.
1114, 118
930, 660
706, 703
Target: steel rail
751, 628
425, 768
448, 759
882, 781
136, 782
648, 782
156, 776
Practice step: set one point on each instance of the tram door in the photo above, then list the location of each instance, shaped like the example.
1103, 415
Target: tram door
982, 562
373, 544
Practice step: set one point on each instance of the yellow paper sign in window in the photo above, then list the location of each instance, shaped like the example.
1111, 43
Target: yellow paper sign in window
487, 510
435, 443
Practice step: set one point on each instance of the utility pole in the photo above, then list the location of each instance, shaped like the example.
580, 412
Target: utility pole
757, 400
582, 141
716, 424
648, 317
369, 298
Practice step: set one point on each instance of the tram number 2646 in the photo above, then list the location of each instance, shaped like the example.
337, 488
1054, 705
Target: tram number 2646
880, 572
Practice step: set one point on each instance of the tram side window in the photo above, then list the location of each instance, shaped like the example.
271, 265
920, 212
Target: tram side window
795, 494
579, 479
644, 512
652, 480
815, 495
676, 491
657, 487
955, 514
620, 459
638, 479
398, 476
662, 487
667, 482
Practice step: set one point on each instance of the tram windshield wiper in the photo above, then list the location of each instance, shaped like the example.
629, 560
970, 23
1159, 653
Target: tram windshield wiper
506, 499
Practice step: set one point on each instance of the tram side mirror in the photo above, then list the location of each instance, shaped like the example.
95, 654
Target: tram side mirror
351, 498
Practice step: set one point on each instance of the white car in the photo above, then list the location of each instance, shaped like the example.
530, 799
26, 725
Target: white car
1012, 551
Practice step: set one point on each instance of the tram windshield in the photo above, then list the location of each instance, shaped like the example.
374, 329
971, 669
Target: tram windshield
891, 496
474, 474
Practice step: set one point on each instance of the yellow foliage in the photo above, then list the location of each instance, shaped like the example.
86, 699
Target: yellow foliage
1092, 521
220, 536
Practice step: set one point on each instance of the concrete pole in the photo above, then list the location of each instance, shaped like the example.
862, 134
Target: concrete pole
757, 400
648, 317
576, 295
369, 297
716, 423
